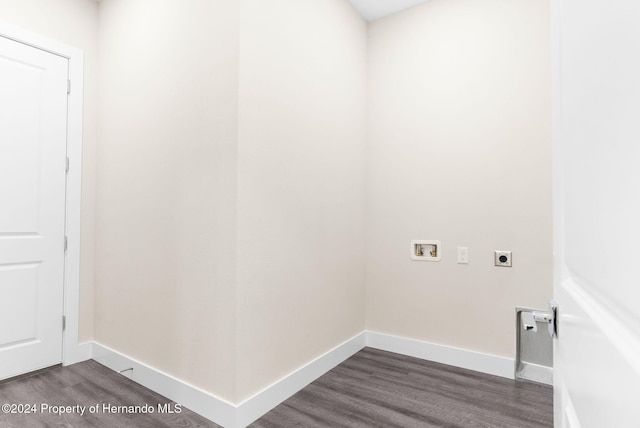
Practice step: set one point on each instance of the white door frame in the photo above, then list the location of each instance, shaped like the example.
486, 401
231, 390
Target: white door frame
72, 350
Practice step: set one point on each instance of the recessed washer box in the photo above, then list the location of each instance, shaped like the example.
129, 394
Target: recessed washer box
426, 250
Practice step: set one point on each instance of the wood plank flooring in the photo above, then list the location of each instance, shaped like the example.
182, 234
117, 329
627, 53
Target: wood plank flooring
87, 384
381, 389
371, 389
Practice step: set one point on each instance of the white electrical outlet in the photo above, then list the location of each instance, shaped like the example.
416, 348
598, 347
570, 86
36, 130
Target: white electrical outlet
463, 255
503, 258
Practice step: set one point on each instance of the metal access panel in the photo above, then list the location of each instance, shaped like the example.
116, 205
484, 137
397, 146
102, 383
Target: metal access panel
534, 346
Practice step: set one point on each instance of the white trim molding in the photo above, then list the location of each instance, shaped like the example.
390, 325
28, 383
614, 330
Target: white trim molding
270, 397
231, 415
485, 363
195, 399
215, 408
73, 351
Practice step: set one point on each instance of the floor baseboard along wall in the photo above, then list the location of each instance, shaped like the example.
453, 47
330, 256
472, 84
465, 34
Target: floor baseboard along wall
206, 404
485, 363
229, 415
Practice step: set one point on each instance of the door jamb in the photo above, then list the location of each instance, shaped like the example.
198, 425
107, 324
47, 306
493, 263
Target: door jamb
72, 350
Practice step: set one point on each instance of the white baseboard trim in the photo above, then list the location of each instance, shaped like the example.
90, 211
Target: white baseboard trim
270, 397
217, 409
229, 415
76, 354
208, 405
485, 363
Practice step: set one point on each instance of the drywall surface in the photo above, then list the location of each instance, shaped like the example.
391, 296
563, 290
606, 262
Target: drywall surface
459, 151
165, 235
300, 185
226, 198
74, 23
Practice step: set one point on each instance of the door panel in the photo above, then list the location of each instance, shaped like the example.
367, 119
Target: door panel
21, 148
20, 281
33, 117
598, 374
596, 212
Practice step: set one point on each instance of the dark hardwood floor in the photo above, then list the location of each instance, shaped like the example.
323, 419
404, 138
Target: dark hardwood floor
381, 389
371, 389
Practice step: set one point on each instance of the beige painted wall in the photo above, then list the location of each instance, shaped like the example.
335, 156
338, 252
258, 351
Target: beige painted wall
229, 203
166, 192
459, 151
184, 101
74, 23
300, 185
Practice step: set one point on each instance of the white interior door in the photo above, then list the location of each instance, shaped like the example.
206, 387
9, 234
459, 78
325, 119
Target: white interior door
33, 117
597, 212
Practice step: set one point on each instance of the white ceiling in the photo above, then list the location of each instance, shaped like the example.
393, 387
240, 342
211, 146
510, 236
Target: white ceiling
375, 9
